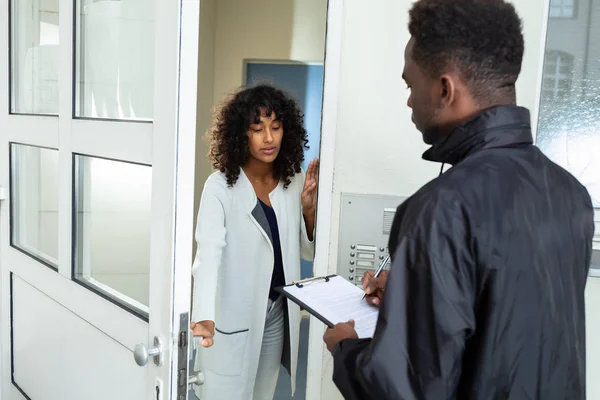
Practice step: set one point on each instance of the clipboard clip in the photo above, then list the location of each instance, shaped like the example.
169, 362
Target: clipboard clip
300, 284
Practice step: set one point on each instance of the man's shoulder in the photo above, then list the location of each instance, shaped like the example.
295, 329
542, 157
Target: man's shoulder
436, 197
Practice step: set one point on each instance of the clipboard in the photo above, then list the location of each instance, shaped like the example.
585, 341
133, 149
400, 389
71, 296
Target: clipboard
303, 305
332, 300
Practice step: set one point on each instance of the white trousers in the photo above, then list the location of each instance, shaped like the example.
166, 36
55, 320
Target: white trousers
270, 352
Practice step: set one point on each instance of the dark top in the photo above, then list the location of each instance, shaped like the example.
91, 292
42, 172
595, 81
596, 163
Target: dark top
278, 277
485, 296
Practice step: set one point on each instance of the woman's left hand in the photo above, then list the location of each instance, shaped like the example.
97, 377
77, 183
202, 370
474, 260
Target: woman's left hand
309, 193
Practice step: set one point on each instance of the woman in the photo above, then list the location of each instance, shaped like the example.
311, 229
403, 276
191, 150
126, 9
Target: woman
256, 220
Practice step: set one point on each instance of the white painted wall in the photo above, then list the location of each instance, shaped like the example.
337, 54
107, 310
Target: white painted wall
265, 29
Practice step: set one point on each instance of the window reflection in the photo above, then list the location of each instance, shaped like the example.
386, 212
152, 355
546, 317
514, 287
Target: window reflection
569, 120
114, 59
34, 56
34, 200
562, 8
112, 230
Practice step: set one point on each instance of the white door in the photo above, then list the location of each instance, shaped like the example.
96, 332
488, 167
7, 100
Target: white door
97, 128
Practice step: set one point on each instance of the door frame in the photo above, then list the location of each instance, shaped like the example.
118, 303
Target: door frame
329, 119
181, 27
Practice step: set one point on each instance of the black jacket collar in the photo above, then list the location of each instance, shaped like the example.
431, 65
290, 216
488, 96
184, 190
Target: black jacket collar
501, 126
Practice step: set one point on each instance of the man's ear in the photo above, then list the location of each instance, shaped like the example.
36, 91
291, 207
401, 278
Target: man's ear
448, 90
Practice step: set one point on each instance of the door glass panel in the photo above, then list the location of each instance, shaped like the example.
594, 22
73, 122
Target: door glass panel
569, 120
114, 70
34, 56
112, 230
34, 200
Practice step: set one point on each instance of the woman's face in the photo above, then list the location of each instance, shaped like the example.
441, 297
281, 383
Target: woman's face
264, 138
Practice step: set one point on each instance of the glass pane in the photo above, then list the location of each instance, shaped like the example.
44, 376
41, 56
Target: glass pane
568, 11
112, 242
34, 200
34, 56
115, 59
569, 120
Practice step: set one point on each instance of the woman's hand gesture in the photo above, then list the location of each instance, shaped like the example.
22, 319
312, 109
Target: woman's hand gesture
309, 192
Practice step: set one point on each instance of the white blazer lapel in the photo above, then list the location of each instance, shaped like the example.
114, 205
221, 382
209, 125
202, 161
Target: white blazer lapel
255, 211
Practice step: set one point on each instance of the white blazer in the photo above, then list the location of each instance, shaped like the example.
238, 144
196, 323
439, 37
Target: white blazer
232, 276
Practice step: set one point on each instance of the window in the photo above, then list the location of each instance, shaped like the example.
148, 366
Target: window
562, 9
34, 57
569, 119
112, 230
114, 53
558, 75
34, 200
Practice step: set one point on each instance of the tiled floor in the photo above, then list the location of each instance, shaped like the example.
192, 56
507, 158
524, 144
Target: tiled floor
283, 390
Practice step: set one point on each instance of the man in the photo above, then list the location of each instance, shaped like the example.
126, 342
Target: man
485, 298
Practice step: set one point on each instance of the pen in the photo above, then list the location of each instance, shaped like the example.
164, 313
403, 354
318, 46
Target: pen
378, 272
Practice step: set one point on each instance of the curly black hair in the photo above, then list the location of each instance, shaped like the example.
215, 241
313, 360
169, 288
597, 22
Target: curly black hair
228, 136
482, 39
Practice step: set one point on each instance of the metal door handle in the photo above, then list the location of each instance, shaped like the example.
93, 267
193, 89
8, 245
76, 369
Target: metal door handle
141, 353
196, 379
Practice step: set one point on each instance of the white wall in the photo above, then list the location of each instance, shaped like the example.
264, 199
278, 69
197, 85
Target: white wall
265, 29
378, 149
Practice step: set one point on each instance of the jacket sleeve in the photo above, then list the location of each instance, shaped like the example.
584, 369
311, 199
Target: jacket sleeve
210, 238
425, 317
307, 247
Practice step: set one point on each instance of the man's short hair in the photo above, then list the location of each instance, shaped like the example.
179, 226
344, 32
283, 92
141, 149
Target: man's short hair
480, 39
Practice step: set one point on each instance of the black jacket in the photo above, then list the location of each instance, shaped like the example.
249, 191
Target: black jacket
485, 297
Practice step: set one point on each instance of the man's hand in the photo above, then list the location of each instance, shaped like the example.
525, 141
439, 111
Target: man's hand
374, 287
205, 329
340, 332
